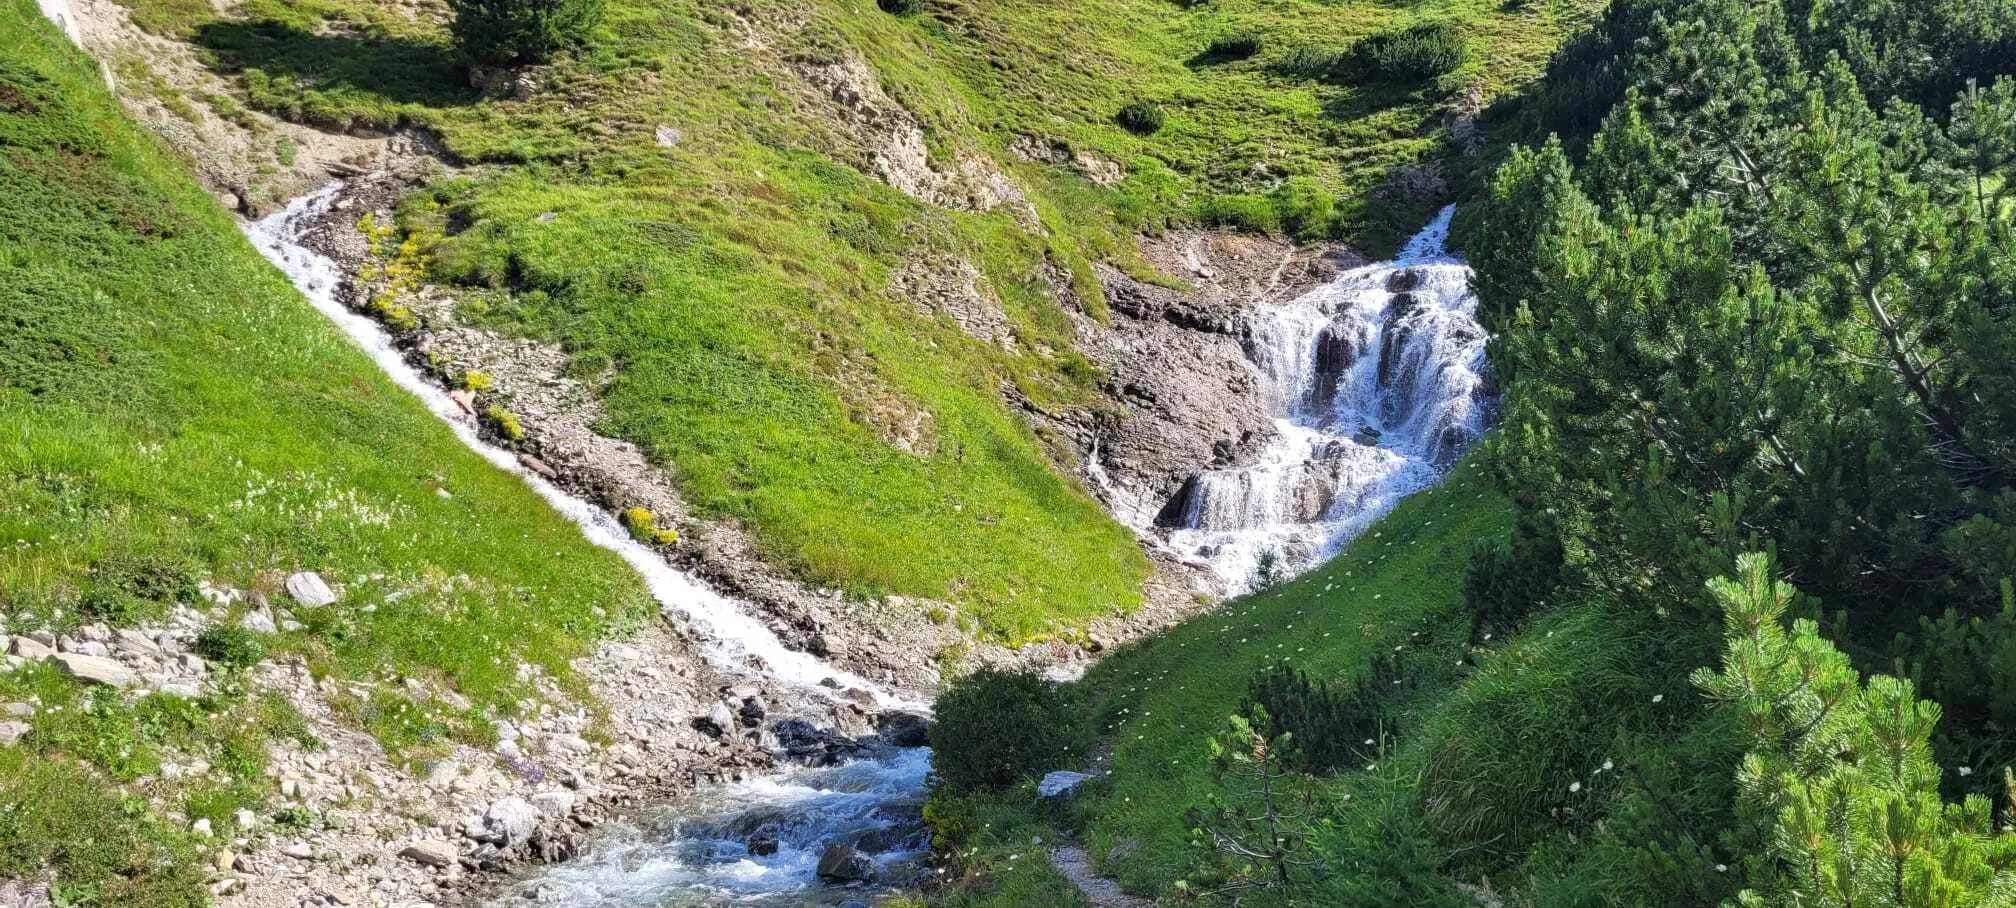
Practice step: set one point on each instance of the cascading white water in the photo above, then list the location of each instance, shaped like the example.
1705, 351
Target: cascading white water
688, 857
732, 639
1376, 380
697, 851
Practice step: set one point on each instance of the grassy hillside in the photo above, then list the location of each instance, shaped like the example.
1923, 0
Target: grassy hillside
1393, 598
737, 282
1539, 759
172, 412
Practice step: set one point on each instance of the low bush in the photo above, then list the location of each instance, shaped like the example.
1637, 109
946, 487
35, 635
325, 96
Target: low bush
505, 422
126, 588
997, 728
1240, 46
1141, 118
513, 32
643, 527
1327, 729
1413, 54
230, 646
1309, 62
1305, 210
900, 7
1506, 581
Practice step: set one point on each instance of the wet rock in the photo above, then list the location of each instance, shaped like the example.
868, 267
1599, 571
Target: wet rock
841, 863
716, 723
764, 842
751, 712
808, 743
95, 669
309, 589
1058, 783
1366, 436
903, 729
1405, 280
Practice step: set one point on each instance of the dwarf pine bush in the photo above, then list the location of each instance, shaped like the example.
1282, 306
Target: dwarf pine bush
1141, 118
996, 728
513, 32
1843, 770
1413, 54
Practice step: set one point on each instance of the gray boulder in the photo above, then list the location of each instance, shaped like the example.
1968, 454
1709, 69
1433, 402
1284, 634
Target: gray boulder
1059, 783
843, 864
30, 648
511, 820
310, 590
429, 853
95, 669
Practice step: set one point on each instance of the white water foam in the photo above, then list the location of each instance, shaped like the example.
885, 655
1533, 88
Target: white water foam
1376, 380
696, 852
731, 638
60, 12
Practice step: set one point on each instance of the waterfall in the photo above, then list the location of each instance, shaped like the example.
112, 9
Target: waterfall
695, 850
1376, 380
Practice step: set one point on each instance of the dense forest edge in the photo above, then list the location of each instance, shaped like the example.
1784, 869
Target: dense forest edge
1741, 630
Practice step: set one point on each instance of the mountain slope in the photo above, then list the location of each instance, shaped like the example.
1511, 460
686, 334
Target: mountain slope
798, 249
172, 414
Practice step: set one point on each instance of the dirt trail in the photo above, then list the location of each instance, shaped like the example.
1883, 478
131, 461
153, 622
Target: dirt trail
1072, 862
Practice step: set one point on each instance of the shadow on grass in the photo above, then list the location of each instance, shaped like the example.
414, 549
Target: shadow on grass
358, 75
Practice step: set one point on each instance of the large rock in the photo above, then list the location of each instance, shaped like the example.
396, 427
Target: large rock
95, 669
903, 729
309, 589
556, 803
1060, 782
843, 864
30, 648
11, 732
430, 853
259, 621
511, 820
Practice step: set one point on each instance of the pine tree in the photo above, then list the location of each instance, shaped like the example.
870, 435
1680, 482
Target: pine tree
1842, 772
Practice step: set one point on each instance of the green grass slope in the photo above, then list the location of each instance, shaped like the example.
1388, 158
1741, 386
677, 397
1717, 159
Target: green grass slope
172, 411
736, 285
1395, 596
1541, 763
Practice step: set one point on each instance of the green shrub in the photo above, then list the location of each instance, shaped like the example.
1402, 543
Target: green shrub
1412, 54
1141, 117
1240, 46
1309, 62
126, 588
996, 728
505, 422
643, 527
1326, 729
511, 32
230, 646
1504, 582
900, 7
